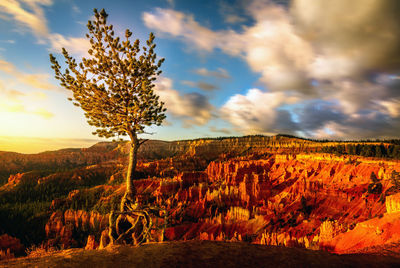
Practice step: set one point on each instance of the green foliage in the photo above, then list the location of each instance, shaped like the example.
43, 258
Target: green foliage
24, 220
114, 86
86, 199
24, 209
106, 207
90, 200
366, 150
54, 186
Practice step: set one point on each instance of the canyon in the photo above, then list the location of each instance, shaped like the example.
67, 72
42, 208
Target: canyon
272, 191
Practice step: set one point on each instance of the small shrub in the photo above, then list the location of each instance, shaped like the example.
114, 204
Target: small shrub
39, 251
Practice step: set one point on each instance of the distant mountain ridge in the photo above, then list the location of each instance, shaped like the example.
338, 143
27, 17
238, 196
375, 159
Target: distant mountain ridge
205, 148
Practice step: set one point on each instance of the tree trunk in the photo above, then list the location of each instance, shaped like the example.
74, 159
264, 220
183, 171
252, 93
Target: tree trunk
130, 192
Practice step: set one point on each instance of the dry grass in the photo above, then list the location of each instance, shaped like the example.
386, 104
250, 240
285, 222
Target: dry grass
39, 251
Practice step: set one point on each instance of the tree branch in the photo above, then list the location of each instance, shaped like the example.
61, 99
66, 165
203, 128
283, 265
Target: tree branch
142, 141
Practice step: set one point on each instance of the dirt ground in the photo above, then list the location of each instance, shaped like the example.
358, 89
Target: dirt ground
201, 254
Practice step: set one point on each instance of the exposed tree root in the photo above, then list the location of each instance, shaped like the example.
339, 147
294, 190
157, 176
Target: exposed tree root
134, 225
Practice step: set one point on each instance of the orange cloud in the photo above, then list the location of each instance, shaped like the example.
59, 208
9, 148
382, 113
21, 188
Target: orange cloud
38, 80
18, 107
12, 103
33, 19
43, 113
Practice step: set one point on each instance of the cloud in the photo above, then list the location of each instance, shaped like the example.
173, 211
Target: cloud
180, 25
39, 95
354, 96
230, 11
289, 48
74, 45
200, 84
270, 47
192, 108
171, 2
7, 67
322, 119
364, 39
225, 131
391, 107
30, 15
352, 115
9, 41
273, 48
219, 73
20, 108
232, 18
43, 113
12, 94
340, 60
12, 101
17, 106
38, 80
367, 124
316, 115
32, 18
259, 112
14, 108
75, 8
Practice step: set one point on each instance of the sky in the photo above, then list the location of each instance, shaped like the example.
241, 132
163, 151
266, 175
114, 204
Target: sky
312, 68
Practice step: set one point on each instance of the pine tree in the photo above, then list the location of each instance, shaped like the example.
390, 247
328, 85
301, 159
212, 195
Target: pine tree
115, 88
373, 177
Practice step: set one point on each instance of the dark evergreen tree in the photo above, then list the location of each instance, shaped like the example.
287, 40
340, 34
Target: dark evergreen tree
395, 179
375, 187
373, 177
351, 149
378, 151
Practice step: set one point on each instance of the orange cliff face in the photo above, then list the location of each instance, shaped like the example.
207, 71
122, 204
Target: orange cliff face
373, 234
272, 190
305, 200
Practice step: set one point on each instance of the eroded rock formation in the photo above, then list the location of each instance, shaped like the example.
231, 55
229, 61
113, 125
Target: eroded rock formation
393, 203
293, 200
66, 228
10, 247
265, 190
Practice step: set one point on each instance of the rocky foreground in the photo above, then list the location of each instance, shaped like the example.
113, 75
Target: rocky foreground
201, 254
